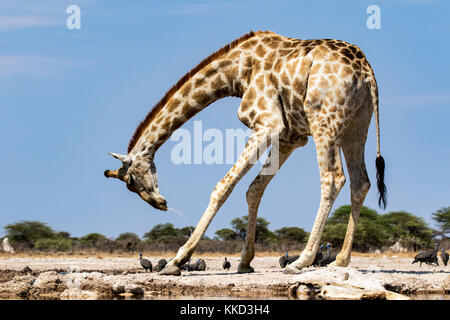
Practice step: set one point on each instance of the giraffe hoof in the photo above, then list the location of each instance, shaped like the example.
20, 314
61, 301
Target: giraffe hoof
339, 264
245, 269
291, 270
170, 270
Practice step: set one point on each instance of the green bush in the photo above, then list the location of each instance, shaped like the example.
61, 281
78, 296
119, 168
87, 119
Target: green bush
60, 244
28, 232
371, 232
128, 241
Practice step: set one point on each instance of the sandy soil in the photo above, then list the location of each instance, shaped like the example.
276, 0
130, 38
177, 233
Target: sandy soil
101, 276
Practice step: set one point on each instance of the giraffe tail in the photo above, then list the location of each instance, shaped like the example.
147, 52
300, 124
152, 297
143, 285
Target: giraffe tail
379, 162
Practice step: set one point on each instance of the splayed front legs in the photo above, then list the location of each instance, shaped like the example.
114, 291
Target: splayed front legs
254, 195
256, 145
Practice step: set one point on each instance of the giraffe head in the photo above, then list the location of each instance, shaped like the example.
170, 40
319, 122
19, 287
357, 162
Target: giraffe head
139, 174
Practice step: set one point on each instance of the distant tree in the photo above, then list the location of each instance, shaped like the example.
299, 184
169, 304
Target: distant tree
292, 234
186, 231
226, 234
161, 232
28, 232
263, 234
410, 230
370, 233
96, 240
128, 241
63, 234
57, 244
442, 217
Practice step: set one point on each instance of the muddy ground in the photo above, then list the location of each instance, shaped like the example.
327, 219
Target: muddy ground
109, 277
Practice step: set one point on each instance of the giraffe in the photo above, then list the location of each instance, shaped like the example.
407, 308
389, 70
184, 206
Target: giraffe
290, 89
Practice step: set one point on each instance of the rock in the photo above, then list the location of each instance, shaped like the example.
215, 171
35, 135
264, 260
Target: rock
329, 292
123, 286
119, 287
73, 269
26, 270
46, 278
48, 284
134, 289
447, 283
18, 286
6, 246
302, 291
343, 283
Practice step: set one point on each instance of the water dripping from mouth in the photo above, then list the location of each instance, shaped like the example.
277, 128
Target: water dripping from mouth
180, 214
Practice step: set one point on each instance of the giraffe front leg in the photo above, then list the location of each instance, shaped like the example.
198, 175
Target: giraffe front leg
254, 194
256, 145
331, 181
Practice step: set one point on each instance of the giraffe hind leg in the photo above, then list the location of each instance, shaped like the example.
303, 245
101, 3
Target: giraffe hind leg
359, 186
332, 180
353, 144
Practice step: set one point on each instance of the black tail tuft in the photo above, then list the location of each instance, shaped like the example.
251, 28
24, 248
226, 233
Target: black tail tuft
382, 200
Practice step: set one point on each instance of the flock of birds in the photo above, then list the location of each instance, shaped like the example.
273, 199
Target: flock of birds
322, 259
199, 265
430, 256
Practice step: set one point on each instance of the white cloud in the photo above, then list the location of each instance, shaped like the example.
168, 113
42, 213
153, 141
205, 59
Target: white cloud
24, 22
202, 8
40, 66
421, 100
31, 13
419, 1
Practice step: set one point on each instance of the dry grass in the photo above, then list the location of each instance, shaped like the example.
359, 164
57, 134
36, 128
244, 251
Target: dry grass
407, 254
171, 254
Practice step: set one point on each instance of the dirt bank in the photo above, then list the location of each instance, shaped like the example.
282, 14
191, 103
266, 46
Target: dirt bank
93, 278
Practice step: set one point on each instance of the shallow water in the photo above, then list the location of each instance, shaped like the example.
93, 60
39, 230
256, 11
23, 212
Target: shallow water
430, 296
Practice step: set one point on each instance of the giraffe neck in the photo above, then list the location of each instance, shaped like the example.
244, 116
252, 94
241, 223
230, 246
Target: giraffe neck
217, 80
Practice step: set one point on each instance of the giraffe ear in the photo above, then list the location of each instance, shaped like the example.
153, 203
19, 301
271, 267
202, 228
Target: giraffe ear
121, 157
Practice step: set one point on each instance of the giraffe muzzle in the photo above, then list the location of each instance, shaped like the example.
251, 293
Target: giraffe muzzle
156, 200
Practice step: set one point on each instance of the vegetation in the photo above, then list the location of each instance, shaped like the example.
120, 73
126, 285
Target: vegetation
442, 217
370, 232
374, 231
410, 231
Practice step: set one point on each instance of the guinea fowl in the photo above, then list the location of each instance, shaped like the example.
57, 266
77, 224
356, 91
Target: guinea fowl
200, 265
428, 257
226, 264
187, 266
286, 259
328, 257
444, 257
160, 265
420, 257
433, 258
146, 264
319, 256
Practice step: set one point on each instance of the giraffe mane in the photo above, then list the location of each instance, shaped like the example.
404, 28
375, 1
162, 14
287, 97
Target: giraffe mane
152, 114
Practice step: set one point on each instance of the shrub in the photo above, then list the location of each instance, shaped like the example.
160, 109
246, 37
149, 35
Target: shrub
59, 244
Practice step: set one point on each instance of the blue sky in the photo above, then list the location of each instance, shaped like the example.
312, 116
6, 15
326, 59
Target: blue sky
67, 97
